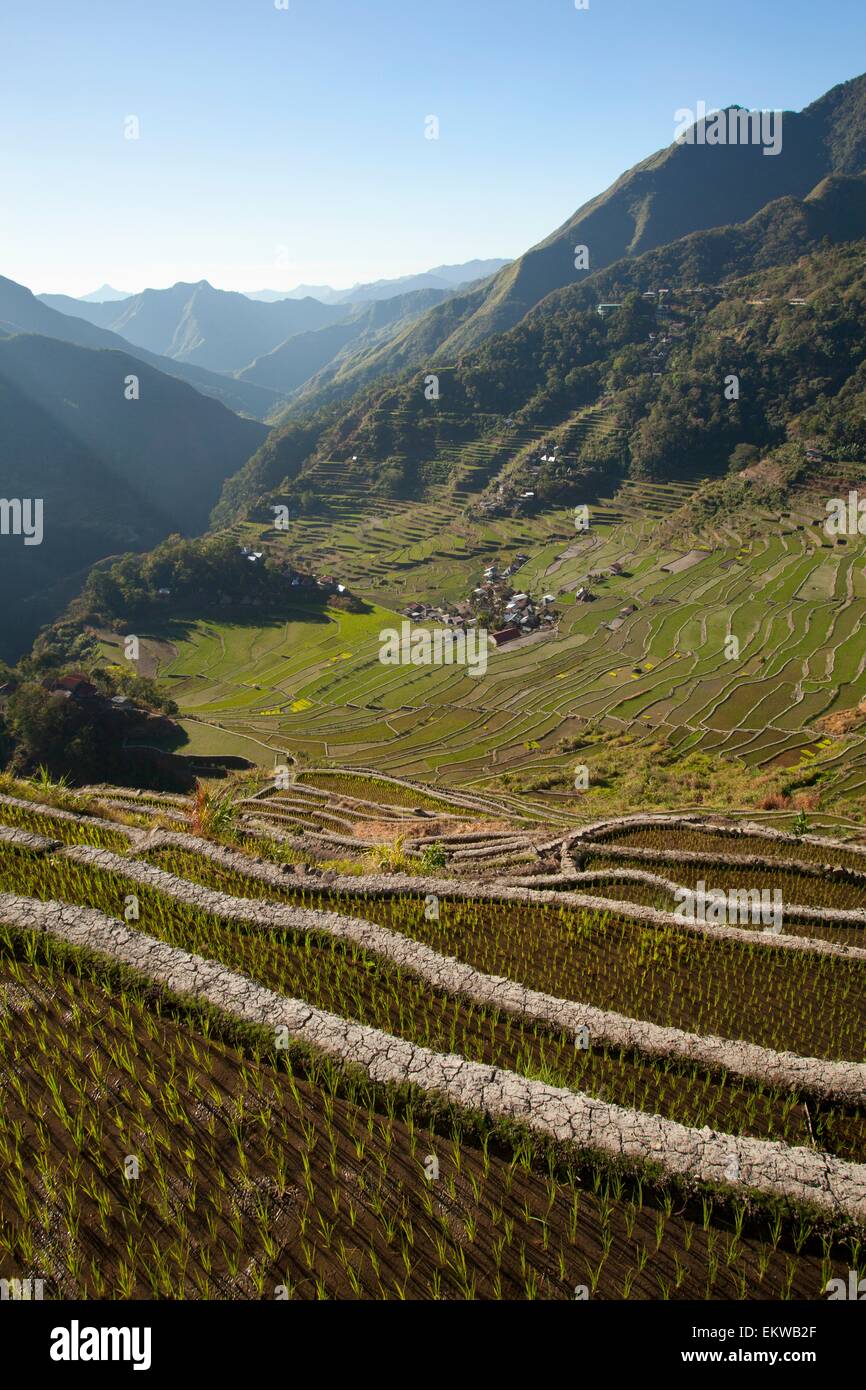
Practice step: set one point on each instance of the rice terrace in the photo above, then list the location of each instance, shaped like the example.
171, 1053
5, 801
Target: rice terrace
433, 712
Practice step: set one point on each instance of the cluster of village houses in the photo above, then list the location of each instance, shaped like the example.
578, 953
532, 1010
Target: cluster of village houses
515, 614
328, 582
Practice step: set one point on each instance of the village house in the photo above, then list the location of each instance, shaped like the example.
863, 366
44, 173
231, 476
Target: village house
815, 455
75, 686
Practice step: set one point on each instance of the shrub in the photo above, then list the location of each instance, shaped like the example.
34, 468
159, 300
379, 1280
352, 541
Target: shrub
434, 857
214, 812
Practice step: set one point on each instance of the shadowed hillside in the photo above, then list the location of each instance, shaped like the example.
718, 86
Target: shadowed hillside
113, 474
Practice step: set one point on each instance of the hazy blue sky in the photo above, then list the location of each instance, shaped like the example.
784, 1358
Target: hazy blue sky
285, 146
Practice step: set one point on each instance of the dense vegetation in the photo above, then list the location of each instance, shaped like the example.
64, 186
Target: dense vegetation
211, 571
662, 368
92, 739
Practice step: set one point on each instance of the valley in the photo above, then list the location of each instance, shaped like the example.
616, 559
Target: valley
433, 740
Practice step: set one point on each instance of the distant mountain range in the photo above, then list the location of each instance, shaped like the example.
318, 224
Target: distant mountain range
22, 311
118, 475
441, 277
272, 340
216, 329
319, 353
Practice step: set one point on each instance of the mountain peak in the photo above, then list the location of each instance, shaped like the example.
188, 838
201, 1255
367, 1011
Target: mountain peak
106, 294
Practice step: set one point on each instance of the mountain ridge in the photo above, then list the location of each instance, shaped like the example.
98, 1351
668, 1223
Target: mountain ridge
671, 193
195, 323
28, 313
443, 277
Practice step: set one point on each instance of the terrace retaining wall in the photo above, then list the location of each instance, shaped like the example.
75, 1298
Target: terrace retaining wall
768, 1167
26, 839
133, 833
830, 916
467, 889
711, 826
825, 1078
586, 849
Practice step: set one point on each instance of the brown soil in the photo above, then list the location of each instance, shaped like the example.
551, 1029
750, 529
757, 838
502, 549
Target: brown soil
388, 831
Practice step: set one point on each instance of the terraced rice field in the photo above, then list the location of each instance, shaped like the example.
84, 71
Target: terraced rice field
294, 1084
792, 599
258, 1176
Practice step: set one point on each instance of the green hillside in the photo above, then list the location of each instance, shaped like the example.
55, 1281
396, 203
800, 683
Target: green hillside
638, 392
712, 508
655, 689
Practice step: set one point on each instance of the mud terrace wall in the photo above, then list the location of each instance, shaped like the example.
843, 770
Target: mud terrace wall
467, 889
768, 1167
840, 916
132, 833
469, 800
25, 839
594, 875
827, 1079
107, 791
138, 807
711, 824
585, 849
